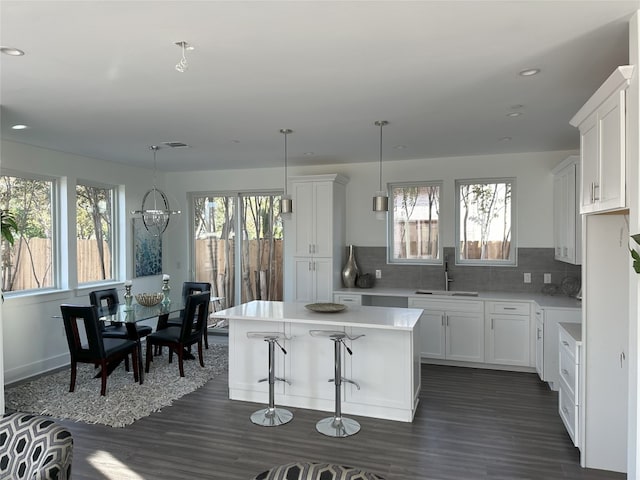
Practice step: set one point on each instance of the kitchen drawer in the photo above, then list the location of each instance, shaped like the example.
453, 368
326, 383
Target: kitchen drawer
568, 412
348, 299
569, 370
474, 306
568, 343
510, 308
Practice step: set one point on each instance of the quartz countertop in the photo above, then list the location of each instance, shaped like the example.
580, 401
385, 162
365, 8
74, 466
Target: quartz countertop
544, 301
364, 317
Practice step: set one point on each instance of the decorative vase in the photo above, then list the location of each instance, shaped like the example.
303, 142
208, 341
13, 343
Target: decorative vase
166, 289
350, 270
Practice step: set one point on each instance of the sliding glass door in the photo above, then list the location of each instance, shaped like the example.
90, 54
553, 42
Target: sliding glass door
239, 232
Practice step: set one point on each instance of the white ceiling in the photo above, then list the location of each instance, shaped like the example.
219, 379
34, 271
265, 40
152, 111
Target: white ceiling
98, 78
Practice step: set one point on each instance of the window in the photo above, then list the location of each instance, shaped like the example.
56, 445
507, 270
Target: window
415, 223
94, 230
29, 263
256, 252
485, 217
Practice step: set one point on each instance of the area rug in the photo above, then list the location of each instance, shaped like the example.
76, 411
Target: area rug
126, 401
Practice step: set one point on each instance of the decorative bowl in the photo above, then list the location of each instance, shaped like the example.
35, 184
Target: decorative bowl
149, 299
326, 307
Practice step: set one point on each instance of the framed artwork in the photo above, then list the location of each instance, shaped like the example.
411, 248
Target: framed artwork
147, 251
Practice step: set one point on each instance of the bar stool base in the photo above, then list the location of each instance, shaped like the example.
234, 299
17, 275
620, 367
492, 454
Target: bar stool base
271, 417
338, 427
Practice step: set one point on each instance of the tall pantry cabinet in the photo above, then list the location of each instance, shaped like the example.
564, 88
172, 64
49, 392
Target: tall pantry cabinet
314, 238
603, 386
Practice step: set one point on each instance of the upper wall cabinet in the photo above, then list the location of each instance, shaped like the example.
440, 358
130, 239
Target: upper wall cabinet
602, 124
567, 227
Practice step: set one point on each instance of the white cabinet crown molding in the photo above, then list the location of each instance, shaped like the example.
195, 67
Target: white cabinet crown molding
330, 177
618, 80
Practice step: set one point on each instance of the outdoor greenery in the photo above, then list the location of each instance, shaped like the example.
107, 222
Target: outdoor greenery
634, 253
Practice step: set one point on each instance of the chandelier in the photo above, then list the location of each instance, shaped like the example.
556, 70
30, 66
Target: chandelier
155, 211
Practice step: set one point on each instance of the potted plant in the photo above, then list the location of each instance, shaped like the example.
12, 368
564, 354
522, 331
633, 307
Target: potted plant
9, 226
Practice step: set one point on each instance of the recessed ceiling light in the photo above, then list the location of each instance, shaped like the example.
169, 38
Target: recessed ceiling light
176, 144
400, 147
504, 139
514, 114
308, 154
20, 127
516, 107
14, 52
528, 72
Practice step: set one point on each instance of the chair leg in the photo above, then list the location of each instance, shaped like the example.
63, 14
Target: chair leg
126, 363
206, 338
150, 348
103, 377
200, 353
74, 371
170, 355
135, 360
181, 359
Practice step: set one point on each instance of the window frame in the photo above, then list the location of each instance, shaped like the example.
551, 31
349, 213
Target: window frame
115, 232
512, 261
391, 224
56, 232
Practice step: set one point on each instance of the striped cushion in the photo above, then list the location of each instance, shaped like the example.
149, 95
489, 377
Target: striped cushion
34, 447
315, 471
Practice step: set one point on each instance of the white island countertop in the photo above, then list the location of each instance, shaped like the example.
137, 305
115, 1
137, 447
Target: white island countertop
365, 317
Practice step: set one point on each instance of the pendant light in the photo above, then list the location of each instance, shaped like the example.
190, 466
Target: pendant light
155, 211
380, 199
286, 202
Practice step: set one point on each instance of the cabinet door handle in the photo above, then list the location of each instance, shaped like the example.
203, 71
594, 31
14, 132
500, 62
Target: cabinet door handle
509, 308
446, 319
596, 188
539, 336
492, 324
565, 371
564, 409
622, 358
592, 191
565, 343
309, 266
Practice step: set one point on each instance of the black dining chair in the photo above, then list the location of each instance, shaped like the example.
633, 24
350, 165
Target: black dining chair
190, 332
91, 347
109, 297
189, 288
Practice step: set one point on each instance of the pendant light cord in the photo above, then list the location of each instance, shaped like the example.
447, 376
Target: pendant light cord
381, 125
285, 163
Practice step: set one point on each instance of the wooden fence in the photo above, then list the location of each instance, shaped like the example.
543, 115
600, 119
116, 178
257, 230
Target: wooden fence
34, 268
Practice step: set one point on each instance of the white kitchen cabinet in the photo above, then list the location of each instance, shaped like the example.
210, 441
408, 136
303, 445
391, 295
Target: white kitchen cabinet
539, 333
507, 333
569, 343
315, 238
451, 330
547, 351
567, 229
602, 125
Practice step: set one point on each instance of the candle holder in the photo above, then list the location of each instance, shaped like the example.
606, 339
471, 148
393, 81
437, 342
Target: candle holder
128, 297
166, 290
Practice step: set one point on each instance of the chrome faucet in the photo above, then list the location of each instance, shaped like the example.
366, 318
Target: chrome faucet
447, 278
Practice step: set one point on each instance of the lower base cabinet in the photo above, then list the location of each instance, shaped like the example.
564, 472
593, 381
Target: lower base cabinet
507, 339
451, 330
569, 344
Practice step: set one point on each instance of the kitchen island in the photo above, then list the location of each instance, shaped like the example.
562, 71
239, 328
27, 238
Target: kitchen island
385, 361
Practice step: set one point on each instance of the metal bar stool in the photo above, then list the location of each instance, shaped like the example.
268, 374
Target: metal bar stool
337, 426
271, 416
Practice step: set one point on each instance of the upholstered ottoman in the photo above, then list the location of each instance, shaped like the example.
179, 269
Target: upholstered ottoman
315, 471
34, 447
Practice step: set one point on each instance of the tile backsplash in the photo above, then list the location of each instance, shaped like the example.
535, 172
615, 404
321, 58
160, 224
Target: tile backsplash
536, 261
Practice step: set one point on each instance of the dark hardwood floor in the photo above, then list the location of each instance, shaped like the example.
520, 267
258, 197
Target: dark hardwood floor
470, 424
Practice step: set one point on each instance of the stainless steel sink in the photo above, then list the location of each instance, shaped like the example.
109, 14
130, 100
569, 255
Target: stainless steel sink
447, 293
